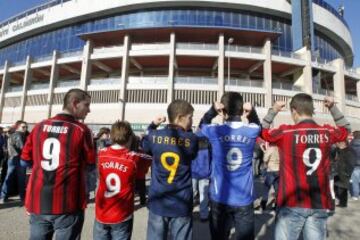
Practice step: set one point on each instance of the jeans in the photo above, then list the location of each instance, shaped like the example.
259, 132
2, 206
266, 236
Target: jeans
271, 179
14, 169
202, 186
120, 231
355, 178
180, 228
290, 222
223, 217
65, 227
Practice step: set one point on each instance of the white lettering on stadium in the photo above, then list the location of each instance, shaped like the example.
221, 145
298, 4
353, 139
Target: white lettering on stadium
55, 129
115, 165
29, 22
4, 32
311, 138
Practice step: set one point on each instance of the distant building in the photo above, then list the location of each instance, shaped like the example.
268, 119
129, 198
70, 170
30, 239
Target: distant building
135, 56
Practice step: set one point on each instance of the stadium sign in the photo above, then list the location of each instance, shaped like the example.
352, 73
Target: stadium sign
19, 25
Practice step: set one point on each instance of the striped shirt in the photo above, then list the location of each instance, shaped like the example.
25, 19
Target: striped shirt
60, 148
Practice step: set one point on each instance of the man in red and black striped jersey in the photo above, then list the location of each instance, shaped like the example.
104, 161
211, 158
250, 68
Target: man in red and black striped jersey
304, 148
59, 149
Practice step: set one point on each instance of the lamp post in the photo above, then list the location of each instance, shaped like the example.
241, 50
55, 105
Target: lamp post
230, 41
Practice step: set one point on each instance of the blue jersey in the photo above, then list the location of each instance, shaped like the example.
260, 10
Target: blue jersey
232, 146
170, 192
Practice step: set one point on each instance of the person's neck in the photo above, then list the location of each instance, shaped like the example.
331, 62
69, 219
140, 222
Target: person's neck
235, 118
67, 112
117, 146
303, 118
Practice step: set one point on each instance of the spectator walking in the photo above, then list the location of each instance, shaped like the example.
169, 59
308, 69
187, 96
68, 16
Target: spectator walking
15, 171
355, 177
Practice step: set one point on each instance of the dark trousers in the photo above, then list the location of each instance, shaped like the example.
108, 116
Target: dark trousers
223, 217
65, 227
140, 188
342, 195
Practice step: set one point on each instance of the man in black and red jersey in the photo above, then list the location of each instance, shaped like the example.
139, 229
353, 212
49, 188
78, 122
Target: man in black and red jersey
304, 148
59, 149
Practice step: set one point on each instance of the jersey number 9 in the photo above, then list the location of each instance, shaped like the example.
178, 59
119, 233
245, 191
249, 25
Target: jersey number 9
171, 168
113, 185
51, 154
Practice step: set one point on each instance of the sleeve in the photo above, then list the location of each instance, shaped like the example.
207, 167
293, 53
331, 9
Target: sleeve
146, 144
339, 118
26, 153
253, 117
272, 135
338, 134
208, 116
89, 147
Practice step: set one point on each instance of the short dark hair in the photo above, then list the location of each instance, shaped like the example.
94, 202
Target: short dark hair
178, 108
233, 103
121, 132
303, 104
75, 93
103, 130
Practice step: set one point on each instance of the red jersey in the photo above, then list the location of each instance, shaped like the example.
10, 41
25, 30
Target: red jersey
60, 148
115, 194
304, 150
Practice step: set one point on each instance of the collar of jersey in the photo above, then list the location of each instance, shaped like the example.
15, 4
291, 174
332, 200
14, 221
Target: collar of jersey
234, 124
66, 116
174, 126
307, 121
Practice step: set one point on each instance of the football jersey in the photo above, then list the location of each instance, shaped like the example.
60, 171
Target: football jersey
232, 144
170, 192
304, 150
115, 194
60, 148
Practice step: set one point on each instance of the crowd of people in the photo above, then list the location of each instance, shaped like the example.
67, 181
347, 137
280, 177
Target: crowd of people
308, 166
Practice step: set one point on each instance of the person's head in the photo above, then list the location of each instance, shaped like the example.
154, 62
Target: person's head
20, 126
180, 113
104, 133
301, 105
121, 133
356, 134
233, 104
77, 103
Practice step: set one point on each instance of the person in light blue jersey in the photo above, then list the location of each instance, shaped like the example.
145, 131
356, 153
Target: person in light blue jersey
231, 185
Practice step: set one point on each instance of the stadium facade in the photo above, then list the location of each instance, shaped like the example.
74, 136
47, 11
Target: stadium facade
135, 56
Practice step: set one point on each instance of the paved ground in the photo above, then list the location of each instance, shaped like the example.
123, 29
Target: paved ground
344, 225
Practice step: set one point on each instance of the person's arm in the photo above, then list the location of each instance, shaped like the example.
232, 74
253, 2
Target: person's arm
89, 148
26, 153
270, 116
156, 123
209, 115
336, 114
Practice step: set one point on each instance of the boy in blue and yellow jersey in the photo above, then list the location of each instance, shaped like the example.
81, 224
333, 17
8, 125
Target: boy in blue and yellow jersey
170, 192
231, 181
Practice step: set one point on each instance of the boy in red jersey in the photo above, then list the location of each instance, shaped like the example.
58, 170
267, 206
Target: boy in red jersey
115, 196
304, 148
59, 149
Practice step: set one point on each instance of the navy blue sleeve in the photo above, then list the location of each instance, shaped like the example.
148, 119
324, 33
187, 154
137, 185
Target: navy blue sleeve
253, 117
146, 144
208, 116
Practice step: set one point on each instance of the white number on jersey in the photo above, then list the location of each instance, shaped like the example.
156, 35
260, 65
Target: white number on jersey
113, 185
234, 158
315, 155
51, 154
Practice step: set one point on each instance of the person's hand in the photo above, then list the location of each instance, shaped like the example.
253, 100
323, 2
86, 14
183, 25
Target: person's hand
219, 108
247, 107
329, 102
278, 106
159, 120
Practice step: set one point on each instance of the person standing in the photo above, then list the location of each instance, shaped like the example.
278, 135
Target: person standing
14, 169
304, 196
59, 149
231, 189
355, 177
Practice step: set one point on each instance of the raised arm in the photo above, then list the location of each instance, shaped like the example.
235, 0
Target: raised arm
337, 115
270, 116
215, 109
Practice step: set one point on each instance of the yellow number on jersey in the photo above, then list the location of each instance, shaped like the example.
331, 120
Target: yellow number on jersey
171, 168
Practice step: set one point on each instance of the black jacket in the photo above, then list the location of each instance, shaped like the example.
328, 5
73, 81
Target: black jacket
344, 162
355, 145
